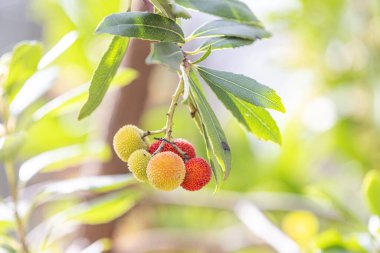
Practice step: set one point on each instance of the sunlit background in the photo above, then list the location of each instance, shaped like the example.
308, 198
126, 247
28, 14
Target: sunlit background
323, 60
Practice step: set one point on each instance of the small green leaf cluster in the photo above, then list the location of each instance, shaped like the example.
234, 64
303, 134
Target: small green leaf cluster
244, 97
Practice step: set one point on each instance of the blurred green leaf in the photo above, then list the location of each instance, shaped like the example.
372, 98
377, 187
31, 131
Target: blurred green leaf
96, 184
104, 74
166, 53
65, 43
255, 119
223, 28
22, 65
219, 43
371, 190
229, 9
122, 78
11, 145
62, 158
33, 89
104, 209
243, 87
212, 127
141, 25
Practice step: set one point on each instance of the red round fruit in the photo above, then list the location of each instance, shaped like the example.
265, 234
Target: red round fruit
182, 144
198, 174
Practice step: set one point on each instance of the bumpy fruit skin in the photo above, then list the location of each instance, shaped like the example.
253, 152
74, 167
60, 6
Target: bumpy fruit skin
198, 174
182, 144
127, 140
137, 164
166, 171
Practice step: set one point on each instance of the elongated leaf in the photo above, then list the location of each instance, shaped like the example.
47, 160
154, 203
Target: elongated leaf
243, 87
96, 184
33, 89
186, 84
219, 43
164, 7
61, 158
166, 53
215, 167
104, 74
142, 25
204, 56
105, 209
22, 65
214, 131
122, 78
223, 28
229, 9
66, 42
371, 190
255, 119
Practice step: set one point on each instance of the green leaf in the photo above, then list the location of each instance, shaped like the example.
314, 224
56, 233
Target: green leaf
255, 119
243, 87
65, 43
96, 184
229, 9
371, 190
204, 56
33, 89
122, 78
11, 145
104, 74
105, 209
62, 158
219, 43
222, 28
164, 7
22, 65
212, 128
167, 54
180, 12
142, 25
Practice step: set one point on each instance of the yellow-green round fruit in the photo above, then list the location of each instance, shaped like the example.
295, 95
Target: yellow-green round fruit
127, 140
166, 171
137, 164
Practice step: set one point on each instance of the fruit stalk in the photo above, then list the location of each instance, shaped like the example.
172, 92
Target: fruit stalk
170, 114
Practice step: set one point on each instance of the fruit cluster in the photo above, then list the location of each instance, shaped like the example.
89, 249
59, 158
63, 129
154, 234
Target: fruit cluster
165, 165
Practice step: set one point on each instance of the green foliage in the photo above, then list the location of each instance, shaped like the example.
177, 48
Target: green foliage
255, 119
142, 25
243, 87
213, 132
371, 190
104, 74
223, 28
167, 54
229, 9
219, 43
22, 65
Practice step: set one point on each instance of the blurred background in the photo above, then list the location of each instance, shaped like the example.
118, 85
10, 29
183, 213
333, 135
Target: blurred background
305, 196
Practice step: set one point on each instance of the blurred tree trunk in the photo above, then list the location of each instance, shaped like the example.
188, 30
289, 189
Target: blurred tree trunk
127, 109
